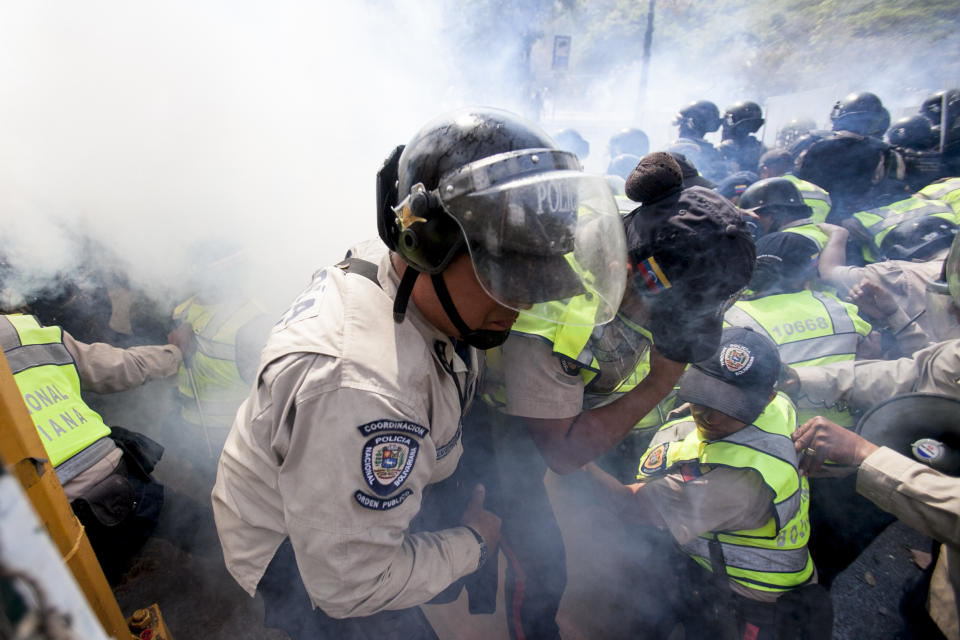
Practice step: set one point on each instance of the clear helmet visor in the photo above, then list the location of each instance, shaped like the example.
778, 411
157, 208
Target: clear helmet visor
541, 234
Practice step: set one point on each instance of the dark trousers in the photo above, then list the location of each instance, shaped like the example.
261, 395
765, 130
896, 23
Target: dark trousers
843, 523
499, 453
804, 613
121, 511
287, 607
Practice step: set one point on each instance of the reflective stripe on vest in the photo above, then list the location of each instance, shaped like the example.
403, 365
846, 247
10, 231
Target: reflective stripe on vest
575, 343
773, 557
880, 221
219, 385
817, 339
47, 377
808, 327
947, 190
809, 230
753, 558
813, 196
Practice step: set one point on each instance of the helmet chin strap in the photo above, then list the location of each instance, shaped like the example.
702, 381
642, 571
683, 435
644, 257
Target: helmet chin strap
403, 294
482, 339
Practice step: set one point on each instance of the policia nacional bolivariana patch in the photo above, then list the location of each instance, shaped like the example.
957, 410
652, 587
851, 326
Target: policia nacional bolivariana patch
387, 460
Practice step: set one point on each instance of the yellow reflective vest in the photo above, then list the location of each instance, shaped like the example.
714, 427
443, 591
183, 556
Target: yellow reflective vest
808, 229
579, 346
214, 365
813, 196
773, 557
47, 376
810, 328
877, 223
946, 190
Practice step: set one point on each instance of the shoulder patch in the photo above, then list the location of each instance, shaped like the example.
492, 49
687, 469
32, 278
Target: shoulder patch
656, 460
392, 425
378, 504
387, 461
570, 368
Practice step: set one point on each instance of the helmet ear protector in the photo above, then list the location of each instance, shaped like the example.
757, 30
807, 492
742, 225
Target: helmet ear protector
387, 178
417, 227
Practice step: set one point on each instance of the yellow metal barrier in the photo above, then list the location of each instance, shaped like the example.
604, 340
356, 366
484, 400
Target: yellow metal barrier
23, 454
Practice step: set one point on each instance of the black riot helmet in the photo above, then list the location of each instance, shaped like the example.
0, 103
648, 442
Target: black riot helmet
700, 117
622, 165
489, 183
933, 107
742, 119
571, 140
861, 113
912, 132
629, 141
793, 131
918, 239
777, 197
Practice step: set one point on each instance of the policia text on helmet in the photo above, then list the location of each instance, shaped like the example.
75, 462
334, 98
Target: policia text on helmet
487, 183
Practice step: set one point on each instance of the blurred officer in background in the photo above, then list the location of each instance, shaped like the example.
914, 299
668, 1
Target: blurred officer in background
693, 122
631, 140
739, 146
778, 163
105, 472
571, 140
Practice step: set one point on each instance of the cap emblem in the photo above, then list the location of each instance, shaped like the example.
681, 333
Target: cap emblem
736, 359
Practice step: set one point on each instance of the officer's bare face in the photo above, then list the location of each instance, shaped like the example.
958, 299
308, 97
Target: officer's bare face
477, 309
475, 306
712, 424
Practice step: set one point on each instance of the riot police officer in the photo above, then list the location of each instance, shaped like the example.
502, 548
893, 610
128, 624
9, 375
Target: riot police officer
693, 122
739, 146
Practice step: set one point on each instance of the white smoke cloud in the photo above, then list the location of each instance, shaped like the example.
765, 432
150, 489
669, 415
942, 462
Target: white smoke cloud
155, 127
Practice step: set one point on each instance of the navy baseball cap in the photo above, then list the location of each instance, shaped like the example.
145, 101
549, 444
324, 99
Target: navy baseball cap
738, 379
735, 184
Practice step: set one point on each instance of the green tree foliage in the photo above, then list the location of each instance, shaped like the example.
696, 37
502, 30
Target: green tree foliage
775, 46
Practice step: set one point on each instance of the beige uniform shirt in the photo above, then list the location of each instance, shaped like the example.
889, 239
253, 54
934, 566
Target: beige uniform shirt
907, 282
106, 369
862, 384
928, 501
535, 381
540, 384
341, 390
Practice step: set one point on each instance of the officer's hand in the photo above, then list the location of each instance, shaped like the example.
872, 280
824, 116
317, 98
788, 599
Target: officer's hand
789, 381
486, 523
184, 339
818, 439
873, 301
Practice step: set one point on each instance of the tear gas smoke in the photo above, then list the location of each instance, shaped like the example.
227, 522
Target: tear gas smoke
149, 130
132, 135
